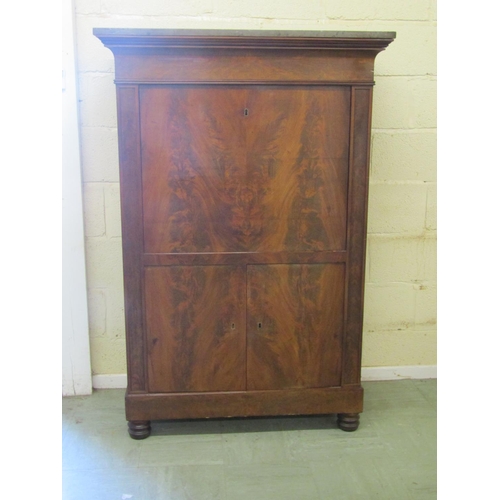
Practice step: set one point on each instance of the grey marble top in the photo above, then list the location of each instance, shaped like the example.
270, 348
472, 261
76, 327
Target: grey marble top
133, 32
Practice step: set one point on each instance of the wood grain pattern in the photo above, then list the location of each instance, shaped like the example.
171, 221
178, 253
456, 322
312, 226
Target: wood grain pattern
236, 258
217, 178
132, 241
294, 325
358, 205
245, 404
195, 328
244, 179
272, 65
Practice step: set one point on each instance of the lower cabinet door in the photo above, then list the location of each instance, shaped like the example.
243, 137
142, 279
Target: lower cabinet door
195, 323
294, 325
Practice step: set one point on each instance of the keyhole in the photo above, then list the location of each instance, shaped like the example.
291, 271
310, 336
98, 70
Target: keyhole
260, 325
245, 112
232, 326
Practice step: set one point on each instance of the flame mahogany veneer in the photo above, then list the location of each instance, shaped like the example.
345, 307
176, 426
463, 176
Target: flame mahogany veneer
244, 180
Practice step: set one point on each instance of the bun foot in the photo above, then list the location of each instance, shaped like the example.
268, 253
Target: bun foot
139, 429
348, 421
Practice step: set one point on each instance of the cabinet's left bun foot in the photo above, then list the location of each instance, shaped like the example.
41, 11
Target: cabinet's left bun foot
348, 421
139, 429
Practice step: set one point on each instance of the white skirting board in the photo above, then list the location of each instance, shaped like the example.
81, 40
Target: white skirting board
398, 372
119, 381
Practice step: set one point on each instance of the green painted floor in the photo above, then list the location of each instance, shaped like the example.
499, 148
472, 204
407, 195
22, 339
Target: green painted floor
391, 456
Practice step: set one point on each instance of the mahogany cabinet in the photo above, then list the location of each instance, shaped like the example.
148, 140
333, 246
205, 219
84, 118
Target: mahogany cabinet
244, 179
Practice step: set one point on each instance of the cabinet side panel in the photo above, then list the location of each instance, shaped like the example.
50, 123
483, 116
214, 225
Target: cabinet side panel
357, 214
132, 232
195, 318
294, 325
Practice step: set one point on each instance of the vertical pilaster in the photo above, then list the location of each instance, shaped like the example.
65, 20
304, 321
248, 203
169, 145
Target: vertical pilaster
361, 98
132, 233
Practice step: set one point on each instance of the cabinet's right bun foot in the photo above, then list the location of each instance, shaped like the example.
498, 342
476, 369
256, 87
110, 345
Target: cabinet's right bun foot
348, 421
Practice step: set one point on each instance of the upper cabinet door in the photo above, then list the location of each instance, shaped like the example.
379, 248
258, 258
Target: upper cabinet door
244, 168
294, 325
195, 323
297, 166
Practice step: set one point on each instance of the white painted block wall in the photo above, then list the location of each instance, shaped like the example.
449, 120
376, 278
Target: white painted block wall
76, 373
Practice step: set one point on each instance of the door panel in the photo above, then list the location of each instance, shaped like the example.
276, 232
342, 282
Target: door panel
294, 325
235, 169
195, 319
193, 165
297, 168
